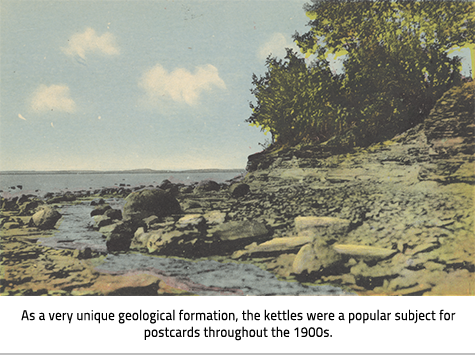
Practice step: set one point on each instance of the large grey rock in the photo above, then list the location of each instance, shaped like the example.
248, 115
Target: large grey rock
101, 221
315, 257
239, 230
114, 214
143, 239
9, 204
238, 189
28, 207
100, 209
45, 218
207, 185
142, 204
157, 241
120, 236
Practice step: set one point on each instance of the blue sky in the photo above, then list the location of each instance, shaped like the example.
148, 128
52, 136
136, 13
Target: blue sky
135, 84
115, 85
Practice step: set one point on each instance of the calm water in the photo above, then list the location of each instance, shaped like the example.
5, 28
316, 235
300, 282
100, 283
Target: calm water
42, 183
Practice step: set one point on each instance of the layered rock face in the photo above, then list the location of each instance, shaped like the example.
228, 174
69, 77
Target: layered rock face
413, 194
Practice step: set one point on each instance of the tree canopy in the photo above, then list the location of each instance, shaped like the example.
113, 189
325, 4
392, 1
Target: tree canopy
396, 66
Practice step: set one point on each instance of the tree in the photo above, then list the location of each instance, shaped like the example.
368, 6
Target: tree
397, 55
396, 67
293, 99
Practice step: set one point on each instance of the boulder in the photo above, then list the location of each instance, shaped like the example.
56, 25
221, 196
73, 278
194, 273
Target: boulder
157, 240
10, 204
107, 229
238, 189
98, 202
26, 208
240, 230
207, 185
48, 195
114, 214
45, 218
142, 204
168, 185
305, 260
69, 196
22, 199
316, 257
100, 209
101, 221
139, 240
120, 236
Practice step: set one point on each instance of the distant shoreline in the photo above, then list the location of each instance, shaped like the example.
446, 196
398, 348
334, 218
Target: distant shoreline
137, 171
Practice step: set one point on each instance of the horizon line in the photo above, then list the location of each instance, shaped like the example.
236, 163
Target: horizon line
144, 170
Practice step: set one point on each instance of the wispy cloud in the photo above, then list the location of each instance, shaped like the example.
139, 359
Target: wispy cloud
52, 98
276, 46
180, 85
89, 41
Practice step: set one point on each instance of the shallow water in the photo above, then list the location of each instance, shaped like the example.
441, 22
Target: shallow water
203, 277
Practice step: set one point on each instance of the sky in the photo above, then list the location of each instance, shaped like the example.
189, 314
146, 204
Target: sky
119, 85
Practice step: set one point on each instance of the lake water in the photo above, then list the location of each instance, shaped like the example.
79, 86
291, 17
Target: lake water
41, 183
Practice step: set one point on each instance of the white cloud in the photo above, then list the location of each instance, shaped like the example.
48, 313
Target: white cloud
180, 85
89, 41
52, 98
276, 46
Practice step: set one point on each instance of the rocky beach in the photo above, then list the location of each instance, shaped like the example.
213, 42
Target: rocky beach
393, 218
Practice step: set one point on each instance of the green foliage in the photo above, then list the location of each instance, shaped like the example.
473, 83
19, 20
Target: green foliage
396, 68
291, 103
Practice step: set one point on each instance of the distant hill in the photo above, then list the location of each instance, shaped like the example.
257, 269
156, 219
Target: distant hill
133, 171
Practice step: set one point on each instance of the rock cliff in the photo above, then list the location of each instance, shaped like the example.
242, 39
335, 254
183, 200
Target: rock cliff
413, 194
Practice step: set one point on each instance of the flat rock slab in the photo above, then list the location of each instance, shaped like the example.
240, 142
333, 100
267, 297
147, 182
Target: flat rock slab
240, 230
277, 245
363, 251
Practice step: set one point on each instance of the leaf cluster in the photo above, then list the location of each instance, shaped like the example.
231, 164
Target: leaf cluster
396, 67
